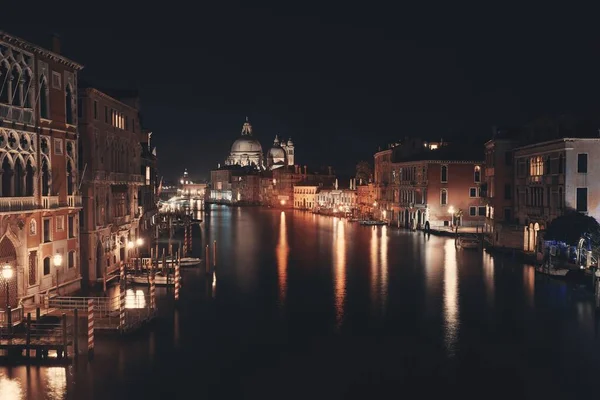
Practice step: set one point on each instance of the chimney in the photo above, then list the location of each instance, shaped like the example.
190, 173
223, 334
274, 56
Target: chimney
56, 43
329, 169
305, 170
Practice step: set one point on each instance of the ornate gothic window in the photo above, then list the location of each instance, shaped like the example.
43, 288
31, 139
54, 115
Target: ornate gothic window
44, 110
69, 105
444, 173
32, 267
45, 178
4, 71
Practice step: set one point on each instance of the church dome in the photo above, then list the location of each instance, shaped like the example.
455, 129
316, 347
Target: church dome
276, 153
246, 144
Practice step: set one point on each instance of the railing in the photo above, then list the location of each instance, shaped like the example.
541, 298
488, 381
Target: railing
49, 201
16, 316
17, 203
74, 201
16, 114
121, 220
106, 310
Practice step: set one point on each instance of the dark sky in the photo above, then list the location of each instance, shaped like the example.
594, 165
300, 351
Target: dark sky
340, 79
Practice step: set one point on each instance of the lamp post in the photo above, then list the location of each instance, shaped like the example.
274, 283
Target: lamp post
451, 212
7, 273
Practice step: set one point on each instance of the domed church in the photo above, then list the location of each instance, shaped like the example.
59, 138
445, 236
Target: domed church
247, 151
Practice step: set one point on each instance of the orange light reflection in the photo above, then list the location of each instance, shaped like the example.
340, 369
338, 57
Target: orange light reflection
451, 311
339, 263
282, 252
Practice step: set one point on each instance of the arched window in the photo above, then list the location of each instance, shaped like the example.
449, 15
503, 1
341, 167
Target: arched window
69, 104
71, 261
4, 78
444, 173
45, 178
16, 89
19, 178
43, 94
69, 178
477, 174
443, 197
7, 174
29, 179
28, 88
47, 266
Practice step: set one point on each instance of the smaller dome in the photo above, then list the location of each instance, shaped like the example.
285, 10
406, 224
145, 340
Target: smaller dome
289, 142
276, 153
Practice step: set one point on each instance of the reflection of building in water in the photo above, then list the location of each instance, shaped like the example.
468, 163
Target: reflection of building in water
282, 251
451, 311
339, 265
488, 277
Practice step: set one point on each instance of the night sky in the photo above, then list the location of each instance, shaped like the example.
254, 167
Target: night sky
340, 78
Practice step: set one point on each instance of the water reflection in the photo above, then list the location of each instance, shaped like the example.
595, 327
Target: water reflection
384, 266
529, 285
176, 328
135, 299
57, 382
488, 277
339, 265
450, 297
374, 266
282, 252
10, 389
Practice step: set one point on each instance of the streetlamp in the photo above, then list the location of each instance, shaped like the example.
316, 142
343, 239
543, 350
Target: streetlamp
7, 273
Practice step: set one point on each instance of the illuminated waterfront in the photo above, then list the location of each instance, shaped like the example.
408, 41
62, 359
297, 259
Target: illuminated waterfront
306, 306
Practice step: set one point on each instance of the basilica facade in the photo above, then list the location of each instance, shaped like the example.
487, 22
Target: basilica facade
247, 151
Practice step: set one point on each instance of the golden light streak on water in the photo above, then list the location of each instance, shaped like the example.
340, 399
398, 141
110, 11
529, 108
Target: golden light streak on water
10, 389
451, 306
339, 264
282, 252
384, 266
488, 277
529, 285
374, 267
57, 383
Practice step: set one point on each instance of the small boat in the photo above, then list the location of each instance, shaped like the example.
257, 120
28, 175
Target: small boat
552, 271
371, 223
159, 279
468, 242
189, 261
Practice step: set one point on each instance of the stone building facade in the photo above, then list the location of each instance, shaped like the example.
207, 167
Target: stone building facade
111, 138
39, 199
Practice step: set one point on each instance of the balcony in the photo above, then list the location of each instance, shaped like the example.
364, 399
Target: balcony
49, 202
9, 204
16, 114
118, 221
74, 201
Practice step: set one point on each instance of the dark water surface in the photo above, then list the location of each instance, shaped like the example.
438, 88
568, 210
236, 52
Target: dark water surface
304, 306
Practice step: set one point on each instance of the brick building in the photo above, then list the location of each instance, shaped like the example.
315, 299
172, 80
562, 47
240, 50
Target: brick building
111, 138
39, 200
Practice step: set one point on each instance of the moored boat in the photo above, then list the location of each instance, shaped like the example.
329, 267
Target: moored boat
159, 279
468, 242
552, 271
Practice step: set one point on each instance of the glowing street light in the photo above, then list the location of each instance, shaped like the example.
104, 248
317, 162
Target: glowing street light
57, 259
139, 242
130, 245
7, 273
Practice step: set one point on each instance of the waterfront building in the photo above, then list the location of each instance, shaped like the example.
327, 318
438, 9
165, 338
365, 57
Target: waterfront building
552, 177
111, 138
501, 227
305, 196
147, 198
420, 184
365, 200
234, 184
382, 177
337, 201
39, 197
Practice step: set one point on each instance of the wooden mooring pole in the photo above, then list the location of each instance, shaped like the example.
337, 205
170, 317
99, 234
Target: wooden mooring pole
214, 253
75, 332
90, 334
207, 261
64, 354
177, 282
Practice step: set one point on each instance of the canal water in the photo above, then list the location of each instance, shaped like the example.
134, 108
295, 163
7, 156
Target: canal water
306, 306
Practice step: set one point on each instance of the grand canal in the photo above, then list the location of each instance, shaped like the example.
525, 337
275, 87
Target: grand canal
305, 306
